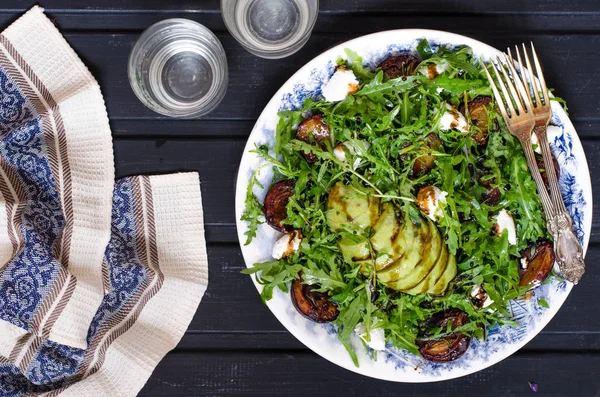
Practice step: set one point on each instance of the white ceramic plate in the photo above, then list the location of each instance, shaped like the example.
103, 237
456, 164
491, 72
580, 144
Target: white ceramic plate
395, 364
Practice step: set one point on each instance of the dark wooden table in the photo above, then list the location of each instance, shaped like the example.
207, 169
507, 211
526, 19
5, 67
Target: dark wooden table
234, 345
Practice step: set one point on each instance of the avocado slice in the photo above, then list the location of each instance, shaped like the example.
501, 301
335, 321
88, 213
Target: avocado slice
354, 251
386, 229
432, 248
405, 238
405, 263
434, 275
442, 285
347, 207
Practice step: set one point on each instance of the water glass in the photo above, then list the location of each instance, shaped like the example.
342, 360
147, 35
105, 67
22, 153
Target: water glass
270, 28
178, 68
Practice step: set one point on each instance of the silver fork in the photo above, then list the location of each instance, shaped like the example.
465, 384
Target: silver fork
569, 252
518, 115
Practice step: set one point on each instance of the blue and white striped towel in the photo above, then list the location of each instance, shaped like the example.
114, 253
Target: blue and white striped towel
98, 280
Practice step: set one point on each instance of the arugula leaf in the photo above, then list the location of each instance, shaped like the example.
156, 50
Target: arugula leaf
357, 65
400, 84
424, 50
457, 86
253, 213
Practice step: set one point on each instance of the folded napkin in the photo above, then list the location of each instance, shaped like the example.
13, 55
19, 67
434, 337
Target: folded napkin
98, 280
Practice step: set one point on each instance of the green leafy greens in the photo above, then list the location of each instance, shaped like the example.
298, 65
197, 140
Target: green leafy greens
394, 116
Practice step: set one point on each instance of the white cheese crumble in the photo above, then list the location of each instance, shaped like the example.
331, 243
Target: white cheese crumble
524, 263
453, 119
287, 244
506, 222
340, 153
432, 70
478, 290
429, 201
342, 83
377, 335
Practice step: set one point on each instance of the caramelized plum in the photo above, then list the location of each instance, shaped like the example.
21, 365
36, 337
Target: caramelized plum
315, 306
478, 109
449, 347
492, 196
313, 129
425, 163
539, 261
276, 202
401, 65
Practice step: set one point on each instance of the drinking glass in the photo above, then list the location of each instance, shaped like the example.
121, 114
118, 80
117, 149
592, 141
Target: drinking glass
178, 68
270, 28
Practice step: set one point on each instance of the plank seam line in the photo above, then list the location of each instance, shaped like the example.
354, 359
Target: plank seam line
356, 12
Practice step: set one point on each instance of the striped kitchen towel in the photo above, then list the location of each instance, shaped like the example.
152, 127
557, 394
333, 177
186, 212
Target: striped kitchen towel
98, 280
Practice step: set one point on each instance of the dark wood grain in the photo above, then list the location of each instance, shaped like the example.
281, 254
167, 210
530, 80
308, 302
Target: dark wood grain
267, 373
466, 23
240, 129
334, 6
234, 345
253, 81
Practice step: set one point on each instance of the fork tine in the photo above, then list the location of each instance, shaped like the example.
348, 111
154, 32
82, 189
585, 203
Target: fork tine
511, 87
533, 84
524, 95
540, 75
511, 62
497, 95
506, 96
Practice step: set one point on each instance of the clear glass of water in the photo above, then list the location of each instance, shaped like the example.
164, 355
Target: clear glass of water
270, 28
178, 68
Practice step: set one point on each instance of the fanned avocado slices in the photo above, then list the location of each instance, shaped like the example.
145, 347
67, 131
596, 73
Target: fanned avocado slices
403, 264
407, 257
430, 280
430, 252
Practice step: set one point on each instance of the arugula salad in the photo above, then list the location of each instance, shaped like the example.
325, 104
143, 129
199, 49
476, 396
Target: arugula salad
407, 212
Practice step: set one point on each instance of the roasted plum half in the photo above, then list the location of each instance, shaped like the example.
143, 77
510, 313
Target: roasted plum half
276, 202
315, 306
478, 109
313, 129
492, 196
401, 65
425, 163
536, 264
446, 348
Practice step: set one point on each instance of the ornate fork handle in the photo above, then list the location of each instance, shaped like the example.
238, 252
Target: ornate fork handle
569, 252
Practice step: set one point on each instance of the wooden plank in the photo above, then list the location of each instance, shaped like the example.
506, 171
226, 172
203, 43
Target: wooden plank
293, 373
356, 6
569, 61
217, 160
466, 23
226, 129
283, 340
